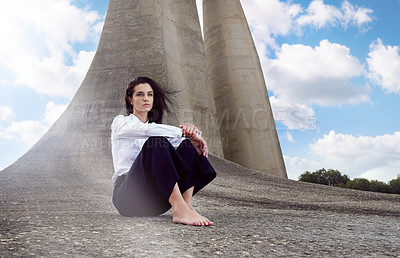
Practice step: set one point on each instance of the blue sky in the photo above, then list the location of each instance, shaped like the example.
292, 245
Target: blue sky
332, 70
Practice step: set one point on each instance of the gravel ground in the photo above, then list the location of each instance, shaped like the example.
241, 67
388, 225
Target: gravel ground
254, 215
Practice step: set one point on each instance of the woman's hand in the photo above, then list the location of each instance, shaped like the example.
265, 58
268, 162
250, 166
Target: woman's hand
189, 130
200, 144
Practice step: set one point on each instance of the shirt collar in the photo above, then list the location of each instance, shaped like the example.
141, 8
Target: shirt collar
132, 116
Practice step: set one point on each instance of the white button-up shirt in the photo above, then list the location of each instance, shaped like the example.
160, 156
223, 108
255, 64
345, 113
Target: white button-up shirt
128, 135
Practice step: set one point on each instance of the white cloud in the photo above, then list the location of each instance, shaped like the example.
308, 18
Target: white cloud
360, 156
39, 47
384, 66
289, 137
53, 112
358, 16
321, 15
51, 76
26, 131
295, 166
320, 75
269, 18
29, 131
374, 158
6, 113
293, 116
301, 74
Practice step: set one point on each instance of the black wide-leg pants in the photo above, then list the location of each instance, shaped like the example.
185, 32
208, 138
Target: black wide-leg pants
146, 188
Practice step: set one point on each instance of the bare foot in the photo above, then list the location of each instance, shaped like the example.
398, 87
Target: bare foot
188, 216
191, 207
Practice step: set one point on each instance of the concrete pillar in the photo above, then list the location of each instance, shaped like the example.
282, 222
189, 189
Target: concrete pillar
161, 40
247, 126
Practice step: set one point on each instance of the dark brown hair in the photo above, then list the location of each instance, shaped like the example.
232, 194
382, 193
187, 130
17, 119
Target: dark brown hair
160, 99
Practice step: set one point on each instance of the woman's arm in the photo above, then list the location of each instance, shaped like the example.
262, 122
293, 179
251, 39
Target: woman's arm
189, 130
126, 127
200, 144
194, 134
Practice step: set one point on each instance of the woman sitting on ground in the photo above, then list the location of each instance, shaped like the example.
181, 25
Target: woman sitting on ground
157, 166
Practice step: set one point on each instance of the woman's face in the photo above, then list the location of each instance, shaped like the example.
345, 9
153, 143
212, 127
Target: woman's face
142, 98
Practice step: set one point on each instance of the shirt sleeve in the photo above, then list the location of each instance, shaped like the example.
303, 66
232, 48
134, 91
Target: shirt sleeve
123, 127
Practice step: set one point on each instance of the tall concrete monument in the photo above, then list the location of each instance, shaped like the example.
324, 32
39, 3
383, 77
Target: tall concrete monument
241, 98
161, 40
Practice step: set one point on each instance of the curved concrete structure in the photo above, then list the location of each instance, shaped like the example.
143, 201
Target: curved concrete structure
246, 122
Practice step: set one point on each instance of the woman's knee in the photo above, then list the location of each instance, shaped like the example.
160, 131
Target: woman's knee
157, 142
187, 147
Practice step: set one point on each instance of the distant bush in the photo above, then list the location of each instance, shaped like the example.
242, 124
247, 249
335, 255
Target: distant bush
358, 184
325, 177
378, 186
395, 185
335, 178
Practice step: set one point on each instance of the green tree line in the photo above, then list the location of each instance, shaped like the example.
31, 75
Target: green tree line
333, 177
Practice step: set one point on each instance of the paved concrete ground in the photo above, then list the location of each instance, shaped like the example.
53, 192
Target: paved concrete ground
254, 215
